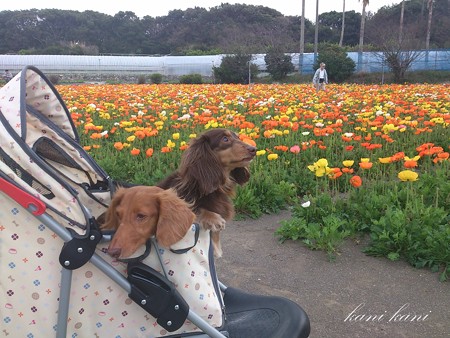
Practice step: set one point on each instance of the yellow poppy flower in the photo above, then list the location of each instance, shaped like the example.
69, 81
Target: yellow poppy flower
348, 163
408, 176
384, 160
323, 162
415, 158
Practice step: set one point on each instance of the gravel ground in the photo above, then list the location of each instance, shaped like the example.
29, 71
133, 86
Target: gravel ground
355, 296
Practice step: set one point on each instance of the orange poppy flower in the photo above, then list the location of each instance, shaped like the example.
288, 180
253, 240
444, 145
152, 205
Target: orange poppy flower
356, 181
96, 136
149, 152
282, 148
118, 145
248, 141
139, 134
441, 157
410, 164
365, 165
135, 152
334, 173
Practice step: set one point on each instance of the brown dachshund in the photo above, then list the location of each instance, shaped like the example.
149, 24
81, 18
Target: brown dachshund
140, 212
210, 168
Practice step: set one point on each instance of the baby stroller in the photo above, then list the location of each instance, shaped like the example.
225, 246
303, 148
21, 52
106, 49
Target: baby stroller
55, 276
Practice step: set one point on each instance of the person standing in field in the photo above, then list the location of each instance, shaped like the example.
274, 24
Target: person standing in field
320, 77
7, 75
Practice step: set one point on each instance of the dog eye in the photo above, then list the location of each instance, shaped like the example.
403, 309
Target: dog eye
225, 139
140, 217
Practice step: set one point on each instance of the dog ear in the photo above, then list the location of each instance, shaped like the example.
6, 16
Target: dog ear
175, 218
241, 175
112, 222
200, 167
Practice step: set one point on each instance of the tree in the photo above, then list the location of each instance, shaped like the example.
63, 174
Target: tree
363, 21
302, 37
279, 65
397, 54
402, 12
430, 16
331, 27
235, 68
316, 32
343, 24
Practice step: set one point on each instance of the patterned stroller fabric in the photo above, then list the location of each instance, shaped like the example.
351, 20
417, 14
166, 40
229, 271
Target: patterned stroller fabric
40, 150
40, 154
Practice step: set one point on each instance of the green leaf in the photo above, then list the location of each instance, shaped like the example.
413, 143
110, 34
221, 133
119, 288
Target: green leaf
393, 256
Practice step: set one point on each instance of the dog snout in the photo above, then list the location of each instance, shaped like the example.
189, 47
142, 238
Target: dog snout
251, 150
114, 252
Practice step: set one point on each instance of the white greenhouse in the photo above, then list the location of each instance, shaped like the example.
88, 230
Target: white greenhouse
107, 64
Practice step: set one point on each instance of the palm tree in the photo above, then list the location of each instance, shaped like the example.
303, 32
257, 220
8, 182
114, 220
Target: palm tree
430, 15
341, 40
302, 37
402, 11
363, 22
316, 32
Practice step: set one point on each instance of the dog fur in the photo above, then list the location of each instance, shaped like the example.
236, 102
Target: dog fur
210, 169
140, 212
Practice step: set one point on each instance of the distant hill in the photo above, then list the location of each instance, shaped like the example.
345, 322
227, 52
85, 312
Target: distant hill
219, 30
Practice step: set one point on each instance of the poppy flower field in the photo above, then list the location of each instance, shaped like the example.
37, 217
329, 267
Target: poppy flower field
354, 160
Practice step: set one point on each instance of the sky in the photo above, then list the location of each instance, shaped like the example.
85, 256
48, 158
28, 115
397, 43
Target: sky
162, 7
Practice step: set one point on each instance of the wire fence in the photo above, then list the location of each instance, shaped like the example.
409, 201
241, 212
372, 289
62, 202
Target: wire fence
372, 62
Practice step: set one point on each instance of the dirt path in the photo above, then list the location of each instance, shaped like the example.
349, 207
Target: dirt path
337, 294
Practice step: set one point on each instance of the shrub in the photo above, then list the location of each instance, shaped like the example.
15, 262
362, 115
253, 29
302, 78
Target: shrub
191, 79
156, 78
54, 79
339, 66
141, 79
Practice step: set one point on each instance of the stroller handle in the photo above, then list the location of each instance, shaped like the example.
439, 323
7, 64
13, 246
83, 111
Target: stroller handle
35, 205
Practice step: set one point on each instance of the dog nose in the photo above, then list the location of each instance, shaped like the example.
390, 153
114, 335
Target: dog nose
114, 252
251, 150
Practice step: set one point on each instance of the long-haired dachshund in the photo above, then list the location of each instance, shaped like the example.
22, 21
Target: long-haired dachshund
210, 168
140, 212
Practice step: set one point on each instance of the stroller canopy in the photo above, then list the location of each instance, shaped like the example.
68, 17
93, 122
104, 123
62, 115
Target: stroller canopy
39, 151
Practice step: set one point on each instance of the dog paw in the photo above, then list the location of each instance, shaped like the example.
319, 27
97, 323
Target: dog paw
216, 223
